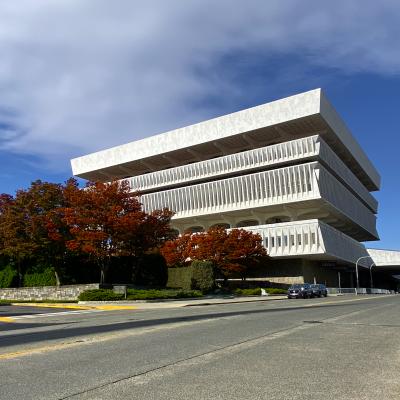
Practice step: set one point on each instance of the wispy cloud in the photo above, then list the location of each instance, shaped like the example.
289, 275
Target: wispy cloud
80, 75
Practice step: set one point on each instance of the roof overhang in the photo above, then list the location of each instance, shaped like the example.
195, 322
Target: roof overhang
290, 118
388, 259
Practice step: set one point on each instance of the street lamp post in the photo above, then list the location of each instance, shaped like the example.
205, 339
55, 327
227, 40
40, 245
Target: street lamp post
370, 275
361, 258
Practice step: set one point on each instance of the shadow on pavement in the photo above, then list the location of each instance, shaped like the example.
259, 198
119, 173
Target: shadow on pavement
34, 337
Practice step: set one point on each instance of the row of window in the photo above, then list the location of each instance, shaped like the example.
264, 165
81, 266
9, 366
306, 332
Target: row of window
239, 161
265, 185
284, 240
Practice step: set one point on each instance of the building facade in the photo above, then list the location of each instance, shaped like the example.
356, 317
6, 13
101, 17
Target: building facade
289, 170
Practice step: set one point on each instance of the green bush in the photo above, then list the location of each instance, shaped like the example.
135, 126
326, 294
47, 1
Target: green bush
100, 295
276, 291
153, 294
248, 292
203, 277
257, 291
137, 294
45, 278
151, 270
180, 277
8, 276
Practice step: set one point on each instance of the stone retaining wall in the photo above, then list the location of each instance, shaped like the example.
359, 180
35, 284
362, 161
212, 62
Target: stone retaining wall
68, 292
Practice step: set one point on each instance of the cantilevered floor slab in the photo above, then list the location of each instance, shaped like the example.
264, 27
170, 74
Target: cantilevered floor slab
290, 118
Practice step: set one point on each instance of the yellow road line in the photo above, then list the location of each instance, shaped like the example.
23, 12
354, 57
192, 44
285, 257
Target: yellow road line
6, 319
76, 306
53, 305
36, 350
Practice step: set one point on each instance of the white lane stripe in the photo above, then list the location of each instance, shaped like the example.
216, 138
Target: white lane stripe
54, 314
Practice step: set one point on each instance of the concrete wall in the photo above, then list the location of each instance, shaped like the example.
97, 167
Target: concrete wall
290, 271
68, 292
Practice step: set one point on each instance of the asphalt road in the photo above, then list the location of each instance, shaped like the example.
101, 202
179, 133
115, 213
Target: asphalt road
334, 348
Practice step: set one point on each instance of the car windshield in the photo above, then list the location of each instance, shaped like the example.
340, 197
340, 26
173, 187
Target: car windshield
295, 286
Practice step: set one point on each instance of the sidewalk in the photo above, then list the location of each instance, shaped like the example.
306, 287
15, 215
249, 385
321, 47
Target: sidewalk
154, 304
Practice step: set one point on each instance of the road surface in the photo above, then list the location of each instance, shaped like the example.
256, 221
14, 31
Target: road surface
335, 348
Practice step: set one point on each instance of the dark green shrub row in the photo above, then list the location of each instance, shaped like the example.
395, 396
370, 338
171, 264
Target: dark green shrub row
45, 278
276, 291
137, 294
152, 294
151, 270
100, 295
257, 291
248, 292
8, 277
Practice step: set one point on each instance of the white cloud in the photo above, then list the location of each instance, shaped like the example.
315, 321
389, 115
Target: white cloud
80, 75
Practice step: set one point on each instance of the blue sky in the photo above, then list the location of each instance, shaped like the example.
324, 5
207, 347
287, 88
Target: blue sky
77, 76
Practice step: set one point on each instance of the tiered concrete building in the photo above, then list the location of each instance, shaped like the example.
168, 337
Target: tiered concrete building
289, 170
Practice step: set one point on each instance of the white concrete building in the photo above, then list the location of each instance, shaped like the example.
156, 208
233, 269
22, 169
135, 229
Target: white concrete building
289, 170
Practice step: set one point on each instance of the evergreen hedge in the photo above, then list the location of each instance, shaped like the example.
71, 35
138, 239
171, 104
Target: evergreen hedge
180, 277
151, 271
137, 294
8, 277
203, 277
45, 278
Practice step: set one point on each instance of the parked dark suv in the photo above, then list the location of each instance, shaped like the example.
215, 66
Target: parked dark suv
299, 291
319, 290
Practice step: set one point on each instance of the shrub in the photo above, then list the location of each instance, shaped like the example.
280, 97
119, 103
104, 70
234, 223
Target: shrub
248, 292
8, 277
153, 294
276, 291
203, 277
180, 277
137, 294
45, 278
151, 270
100, 295
257, 291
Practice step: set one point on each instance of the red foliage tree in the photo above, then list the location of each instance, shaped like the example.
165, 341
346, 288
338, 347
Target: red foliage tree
27, 223
231, 252
106, 220
177, 252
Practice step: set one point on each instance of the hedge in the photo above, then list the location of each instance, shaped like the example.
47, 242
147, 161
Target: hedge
137, 294
8, 277
100, 295
151, 271
45, 278
257, 291
275, 291
203, 277
248, 292
180, 277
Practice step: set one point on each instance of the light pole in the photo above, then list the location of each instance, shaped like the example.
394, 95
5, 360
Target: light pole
361, 258
370, 274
